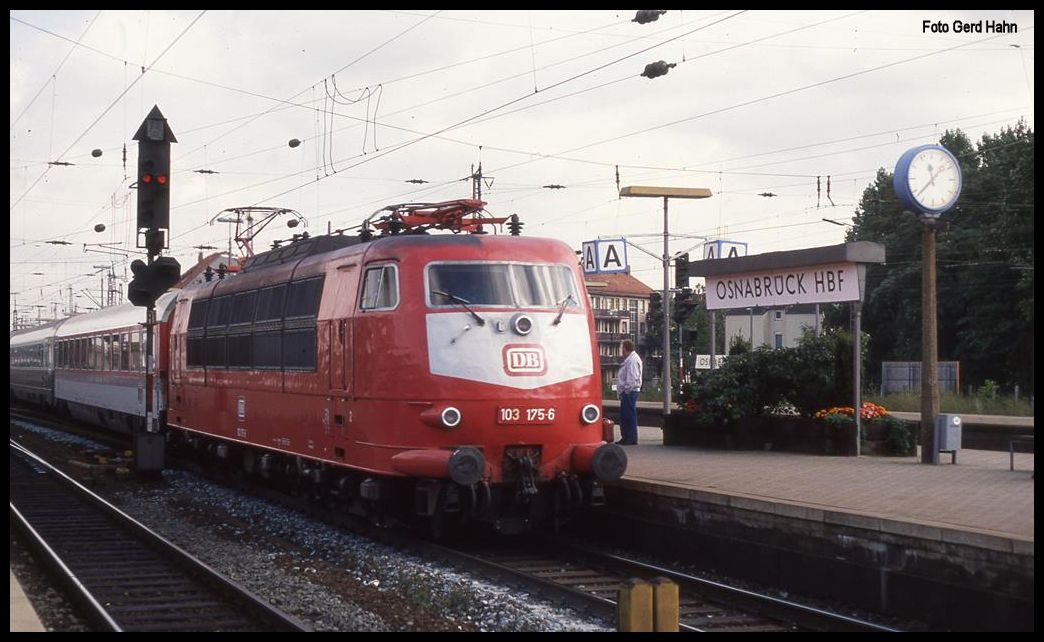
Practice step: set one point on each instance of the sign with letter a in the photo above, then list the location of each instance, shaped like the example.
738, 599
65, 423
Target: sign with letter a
605, 256
723, 249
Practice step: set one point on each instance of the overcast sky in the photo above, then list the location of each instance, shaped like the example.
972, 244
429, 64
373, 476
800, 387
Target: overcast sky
757, 102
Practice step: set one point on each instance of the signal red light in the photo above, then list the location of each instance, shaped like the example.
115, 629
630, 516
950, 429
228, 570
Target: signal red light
161, 179
146, 178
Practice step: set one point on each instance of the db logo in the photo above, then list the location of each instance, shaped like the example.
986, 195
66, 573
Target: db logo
521, 360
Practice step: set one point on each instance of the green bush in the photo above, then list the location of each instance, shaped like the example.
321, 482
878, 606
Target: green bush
899, 435
812, 376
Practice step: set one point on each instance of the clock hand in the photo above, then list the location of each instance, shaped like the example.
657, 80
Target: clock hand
931, 180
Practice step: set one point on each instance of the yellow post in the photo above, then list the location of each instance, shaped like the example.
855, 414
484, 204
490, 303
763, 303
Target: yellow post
665, 605
634, 606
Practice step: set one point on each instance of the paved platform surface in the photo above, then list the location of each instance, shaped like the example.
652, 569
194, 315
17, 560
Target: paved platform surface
23, 617
979, 495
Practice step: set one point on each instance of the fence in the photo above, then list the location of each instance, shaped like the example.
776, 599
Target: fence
905, 376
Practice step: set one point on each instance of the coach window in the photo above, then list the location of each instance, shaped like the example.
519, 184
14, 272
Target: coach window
380, 288
135, 350
114, 360
124, 351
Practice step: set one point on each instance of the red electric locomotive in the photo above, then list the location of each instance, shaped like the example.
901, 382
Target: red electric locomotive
438, 376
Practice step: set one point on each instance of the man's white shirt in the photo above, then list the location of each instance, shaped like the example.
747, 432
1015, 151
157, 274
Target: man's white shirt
629, 377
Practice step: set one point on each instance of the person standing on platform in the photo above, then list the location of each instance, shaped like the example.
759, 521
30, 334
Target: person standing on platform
628, 385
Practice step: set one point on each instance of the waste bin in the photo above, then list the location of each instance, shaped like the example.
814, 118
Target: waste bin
948, 434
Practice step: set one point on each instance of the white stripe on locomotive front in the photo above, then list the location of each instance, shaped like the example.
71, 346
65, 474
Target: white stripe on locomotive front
476, 354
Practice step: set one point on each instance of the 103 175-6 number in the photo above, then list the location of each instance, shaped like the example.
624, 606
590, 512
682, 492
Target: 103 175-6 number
516, 415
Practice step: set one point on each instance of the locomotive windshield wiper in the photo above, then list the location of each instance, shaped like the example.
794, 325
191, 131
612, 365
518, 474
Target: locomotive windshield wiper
561, 311
463, 303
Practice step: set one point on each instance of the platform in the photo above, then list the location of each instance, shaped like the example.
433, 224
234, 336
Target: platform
888, 532
23, 616
978, 495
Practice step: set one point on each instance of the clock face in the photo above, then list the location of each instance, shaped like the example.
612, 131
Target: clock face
934, 179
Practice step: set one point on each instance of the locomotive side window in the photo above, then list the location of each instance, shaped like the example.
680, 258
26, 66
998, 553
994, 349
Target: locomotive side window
240, 340
299, 349
198, 316
195, 354
216, 339
240, 350
220, 310
267, 349
299, 333
303, 300
380, 288
270, 304
243, 307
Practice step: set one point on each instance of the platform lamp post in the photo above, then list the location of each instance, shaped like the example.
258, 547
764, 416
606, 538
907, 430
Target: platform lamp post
666, 193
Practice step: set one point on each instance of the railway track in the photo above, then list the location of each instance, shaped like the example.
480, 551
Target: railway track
589, 580
125, 577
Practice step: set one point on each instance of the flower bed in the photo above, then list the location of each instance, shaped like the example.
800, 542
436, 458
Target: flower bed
789, 434
831, 432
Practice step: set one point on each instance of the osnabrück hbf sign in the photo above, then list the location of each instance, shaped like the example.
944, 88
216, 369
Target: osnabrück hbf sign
818, 284
831, 274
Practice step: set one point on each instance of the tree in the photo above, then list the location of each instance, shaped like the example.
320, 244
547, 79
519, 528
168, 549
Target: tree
984, 265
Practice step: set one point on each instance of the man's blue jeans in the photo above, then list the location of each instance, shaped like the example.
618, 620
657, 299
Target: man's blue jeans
629, 417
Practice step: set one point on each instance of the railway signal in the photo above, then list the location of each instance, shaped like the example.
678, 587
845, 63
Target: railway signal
154, 138
681, 270
152, 280
155, 277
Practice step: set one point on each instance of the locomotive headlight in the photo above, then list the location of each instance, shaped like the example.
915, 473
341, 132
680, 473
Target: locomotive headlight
590, 414
444, 417
450, 417
521, 324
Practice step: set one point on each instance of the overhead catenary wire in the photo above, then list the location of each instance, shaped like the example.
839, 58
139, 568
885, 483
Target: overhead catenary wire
341, 205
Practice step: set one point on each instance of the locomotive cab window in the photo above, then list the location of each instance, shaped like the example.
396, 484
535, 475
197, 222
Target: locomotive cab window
502, 284
544, 286
380, 288
477, 283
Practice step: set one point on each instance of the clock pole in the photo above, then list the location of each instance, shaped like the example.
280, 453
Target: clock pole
928, 181
929, 347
